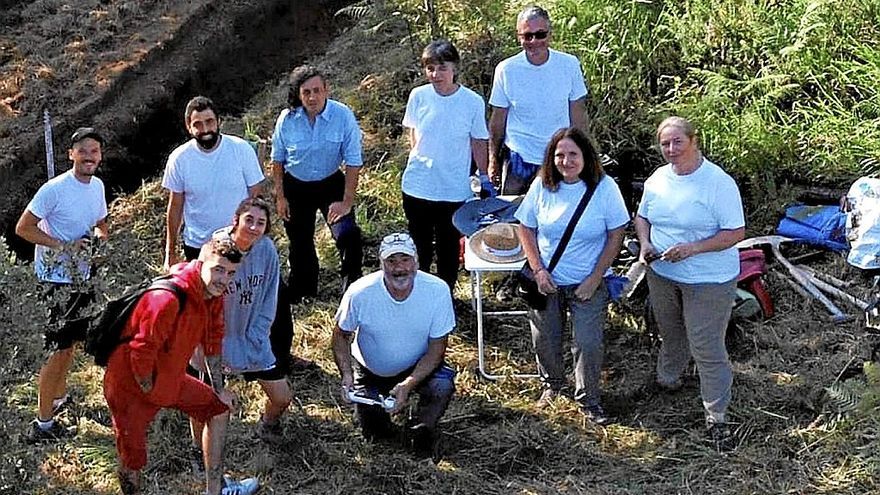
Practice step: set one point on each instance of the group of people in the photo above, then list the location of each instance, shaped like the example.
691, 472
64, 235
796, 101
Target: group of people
232, 315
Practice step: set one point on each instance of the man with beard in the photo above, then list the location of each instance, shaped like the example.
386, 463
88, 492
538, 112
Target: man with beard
208, 176
60, 220
395, 323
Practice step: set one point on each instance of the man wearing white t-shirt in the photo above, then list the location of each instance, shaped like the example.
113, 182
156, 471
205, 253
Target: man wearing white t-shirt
534, 94
61, 220
207, 177
395, 323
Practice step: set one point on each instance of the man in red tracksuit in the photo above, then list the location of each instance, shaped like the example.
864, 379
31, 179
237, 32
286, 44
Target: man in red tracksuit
148, 372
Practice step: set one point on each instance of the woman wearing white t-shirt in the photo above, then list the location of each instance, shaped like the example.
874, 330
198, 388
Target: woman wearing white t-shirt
688, 222
447, 129
571, 167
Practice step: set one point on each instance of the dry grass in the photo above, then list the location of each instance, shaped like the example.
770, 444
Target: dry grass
793, 440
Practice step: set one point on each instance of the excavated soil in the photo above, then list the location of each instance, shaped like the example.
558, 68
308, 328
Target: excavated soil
128, 68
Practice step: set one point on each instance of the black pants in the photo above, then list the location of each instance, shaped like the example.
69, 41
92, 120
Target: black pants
430, 224
304, 199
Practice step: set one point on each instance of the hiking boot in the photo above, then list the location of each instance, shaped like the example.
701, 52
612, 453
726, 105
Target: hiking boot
547, 397
247, 486
271, 433
423, 441
56, 432
668, 388
596, 414
722, 437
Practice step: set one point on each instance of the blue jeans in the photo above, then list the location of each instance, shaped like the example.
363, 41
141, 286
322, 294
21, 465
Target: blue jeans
435, 392
587, 349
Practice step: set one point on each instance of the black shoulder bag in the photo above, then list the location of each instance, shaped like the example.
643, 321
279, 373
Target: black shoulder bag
527, 287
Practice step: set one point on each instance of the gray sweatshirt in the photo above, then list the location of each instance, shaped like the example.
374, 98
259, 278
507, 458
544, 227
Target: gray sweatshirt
249, 308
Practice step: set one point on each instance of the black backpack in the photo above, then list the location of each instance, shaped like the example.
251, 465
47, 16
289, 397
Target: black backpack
105, 330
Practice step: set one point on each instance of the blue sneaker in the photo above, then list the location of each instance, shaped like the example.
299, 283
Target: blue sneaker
247, 486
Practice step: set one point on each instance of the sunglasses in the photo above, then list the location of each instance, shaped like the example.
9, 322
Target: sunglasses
537, 35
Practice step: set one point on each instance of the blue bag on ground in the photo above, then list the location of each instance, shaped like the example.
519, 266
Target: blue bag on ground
819, 225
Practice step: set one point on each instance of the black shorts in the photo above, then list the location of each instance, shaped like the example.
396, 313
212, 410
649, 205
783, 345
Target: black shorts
269, 375
68, 320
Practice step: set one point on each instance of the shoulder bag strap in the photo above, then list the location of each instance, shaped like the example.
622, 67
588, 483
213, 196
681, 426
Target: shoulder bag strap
569, 229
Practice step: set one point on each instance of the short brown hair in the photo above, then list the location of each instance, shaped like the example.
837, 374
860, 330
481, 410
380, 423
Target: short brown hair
224, 248
592, 172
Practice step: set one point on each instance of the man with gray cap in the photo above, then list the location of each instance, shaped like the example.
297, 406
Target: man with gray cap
61, 220
395, 323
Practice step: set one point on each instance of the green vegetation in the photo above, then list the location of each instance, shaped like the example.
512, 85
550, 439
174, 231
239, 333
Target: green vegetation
779, 89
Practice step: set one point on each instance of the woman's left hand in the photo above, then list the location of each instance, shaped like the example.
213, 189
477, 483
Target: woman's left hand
680, 252
587, 288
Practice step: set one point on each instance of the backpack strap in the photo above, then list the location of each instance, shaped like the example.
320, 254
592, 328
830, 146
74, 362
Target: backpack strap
165, 283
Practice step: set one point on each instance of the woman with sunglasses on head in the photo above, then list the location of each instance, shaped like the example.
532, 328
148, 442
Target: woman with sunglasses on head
447, 130
573, 278
689, 220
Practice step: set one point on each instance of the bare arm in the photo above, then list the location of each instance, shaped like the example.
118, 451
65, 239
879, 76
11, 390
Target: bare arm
480, 154
424, 367
577, 113
643, 232
173, 221
341, 343
281, 205
27, 229
529, 241
497, 131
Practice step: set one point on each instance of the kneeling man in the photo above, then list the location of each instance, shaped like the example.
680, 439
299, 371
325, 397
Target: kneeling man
148, 371
398, 319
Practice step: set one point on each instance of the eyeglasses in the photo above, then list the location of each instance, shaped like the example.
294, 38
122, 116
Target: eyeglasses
537, 35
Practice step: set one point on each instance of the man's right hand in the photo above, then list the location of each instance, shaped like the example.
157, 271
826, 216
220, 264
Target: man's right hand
494, 169
171, 259
347, 385
228, 398
282, 208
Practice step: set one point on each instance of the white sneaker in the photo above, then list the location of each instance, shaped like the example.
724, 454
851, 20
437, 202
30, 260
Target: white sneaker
247, 486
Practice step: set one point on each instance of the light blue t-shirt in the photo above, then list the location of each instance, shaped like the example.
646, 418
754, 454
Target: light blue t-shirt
550, 211
391, 336
312, 153
690, 208
439, 163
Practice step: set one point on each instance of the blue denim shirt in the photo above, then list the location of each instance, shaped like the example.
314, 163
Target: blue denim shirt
312, 153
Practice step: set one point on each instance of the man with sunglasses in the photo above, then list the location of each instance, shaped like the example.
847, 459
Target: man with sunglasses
534, 93
390, 340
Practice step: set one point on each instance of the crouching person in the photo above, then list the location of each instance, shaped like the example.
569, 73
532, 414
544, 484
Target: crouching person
148, 371
398, 320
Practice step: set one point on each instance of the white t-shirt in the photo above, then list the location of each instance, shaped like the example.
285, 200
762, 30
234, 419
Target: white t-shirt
391, 336
549, 212
68, 210
440, 162
689, 208
537, 98
213, 184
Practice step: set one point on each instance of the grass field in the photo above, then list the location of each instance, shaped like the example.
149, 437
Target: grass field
805, 411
